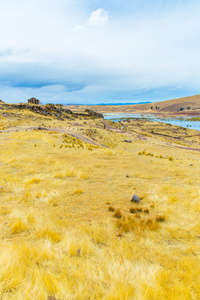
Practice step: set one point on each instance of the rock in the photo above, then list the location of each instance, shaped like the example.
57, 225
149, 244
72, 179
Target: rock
41, 128
94, 114
135, 199
127, 141
127, 176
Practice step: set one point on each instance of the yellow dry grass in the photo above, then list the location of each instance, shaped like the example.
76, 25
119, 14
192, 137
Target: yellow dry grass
60, 240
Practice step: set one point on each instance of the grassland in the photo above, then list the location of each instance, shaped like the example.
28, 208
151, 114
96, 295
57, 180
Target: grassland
68, 228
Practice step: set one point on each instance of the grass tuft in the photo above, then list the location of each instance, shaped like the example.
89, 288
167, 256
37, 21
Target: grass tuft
117, 214
160, 218
111, 208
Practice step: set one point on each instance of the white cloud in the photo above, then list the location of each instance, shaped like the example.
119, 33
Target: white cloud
175, 88
134, 53
98, 17
78, 27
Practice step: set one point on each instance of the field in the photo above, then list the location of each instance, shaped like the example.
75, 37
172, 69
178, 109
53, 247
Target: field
68, 228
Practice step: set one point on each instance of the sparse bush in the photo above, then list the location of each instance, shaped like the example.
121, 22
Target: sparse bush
170, 158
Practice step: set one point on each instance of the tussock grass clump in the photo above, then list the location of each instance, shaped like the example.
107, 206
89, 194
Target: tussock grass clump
70, 172
117, 214
111, 209
135, 209
18, 226
34, 180
160, 218
137, 225
78, 192
132, 210
49, 233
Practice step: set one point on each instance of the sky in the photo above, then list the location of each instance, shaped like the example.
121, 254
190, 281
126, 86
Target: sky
99, 51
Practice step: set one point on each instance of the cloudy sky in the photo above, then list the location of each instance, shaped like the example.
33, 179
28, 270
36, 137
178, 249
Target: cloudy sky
99, 51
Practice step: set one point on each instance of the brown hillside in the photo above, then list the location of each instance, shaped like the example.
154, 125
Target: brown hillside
174, 105
186, 105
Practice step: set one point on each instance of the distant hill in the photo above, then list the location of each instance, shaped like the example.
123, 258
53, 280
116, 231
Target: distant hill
174, 105
186, 105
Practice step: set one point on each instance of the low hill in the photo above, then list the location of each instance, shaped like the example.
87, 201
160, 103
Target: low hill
186, 105
174, 105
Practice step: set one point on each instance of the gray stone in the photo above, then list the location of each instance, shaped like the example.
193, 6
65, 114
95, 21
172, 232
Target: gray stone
135, 199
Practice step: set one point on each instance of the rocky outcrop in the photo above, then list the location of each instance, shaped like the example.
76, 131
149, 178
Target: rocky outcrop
94, 114
51, 110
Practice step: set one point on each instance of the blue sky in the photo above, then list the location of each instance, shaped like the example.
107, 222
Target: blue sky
99, 51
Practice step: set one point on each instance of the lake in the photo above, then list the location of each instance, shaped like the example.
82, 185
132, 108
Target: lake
180, 121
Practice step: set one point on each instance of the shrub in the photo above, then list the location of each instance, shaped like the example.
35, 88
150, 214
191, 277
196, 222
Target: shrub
171, 158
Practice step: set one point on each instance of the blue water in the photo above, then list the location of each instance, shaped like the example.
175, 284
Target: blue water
181, 121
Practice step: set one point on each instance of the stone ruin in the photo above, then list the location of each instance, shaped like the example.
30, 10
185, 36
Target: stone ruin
33, 101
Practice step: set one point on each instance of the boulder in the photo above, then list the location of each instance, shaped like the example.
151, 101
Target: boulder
135, 199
